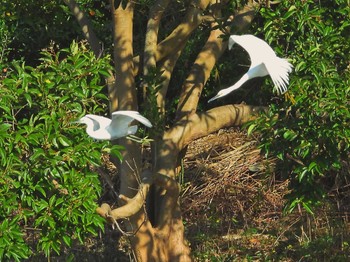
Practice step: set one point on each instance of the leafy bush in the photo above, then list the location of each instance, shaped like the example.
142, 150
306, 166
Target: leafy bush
311, 134
48, 188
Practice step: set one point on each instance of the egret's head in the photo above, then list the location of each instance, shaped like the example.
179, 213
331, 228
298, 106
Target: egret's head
90, 123
83, 120
86, 120
221, 93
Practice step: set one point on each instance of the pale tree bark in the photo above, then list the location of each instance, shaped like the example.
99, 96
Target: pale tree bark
151, 39
163, 239
124, 97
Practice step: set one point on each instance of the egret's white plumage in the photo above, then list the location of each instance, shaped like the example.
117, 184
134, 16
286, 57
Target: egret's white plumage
263, 62
103, 128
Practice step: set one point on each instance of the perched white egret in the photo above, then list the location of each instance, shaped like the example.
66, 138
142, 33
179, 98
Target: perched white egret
263, 62
103, 128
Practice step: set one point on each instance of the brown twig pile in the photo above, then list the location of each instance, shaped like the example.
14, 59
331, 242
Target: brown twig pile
233, 201
226, 174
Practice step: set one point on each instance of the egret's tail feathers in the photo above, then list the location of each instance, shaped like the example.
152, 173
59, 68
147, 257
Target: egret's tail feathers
231, 41
279, 70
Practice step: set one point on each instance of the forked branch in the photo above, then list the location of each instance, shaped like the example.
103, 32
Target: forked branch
170, 49
151, 39
206, 60
178, 37
200, 72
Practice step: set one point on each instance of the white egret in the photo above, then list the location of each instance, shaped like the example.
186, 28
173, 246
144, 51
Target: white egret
103, 128
263, 62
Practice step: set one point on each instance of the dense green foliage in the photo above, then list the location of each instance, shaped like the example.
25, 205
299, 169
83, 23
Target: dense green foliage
48, 188
311, 134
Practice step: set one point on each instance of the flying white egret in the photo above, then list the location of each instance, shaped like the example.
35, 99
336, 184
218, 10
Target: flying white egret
263, 62
103, 128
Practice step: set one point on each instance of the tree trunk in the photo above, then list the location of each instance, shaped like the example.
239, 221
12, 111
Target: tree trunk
161, 238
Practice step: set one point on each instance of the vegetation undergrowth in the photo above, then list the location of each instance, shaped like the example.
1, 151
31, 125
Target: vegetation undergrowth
48, 188
236, 214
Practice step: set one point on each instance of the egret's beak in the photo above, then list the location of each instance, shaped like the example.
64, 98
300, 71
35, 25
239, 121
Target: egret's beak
76, 122
214, 98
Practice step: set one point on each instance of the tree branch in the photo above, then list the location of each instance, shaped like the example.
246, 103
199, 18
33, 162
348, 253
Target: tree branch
206, 60
89, 35
199, 74
175, 41
243, 17
194, 126
133, 205
169, 50
86, 27
151, 39
123, 96
201, 124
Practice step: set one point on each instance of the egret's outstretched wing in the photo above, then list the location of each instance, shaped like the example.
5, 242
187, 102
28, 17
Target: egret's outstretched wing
101, 121
257, 48
279, 70
124, 118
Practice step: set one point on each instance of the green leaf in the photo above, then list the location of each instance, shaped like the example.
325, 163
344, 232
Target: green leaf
291, 11
302, 174
67, 240
312, 165
251, 129
307, 207
54, 142
28, 99
52, 200
104, 73
64, 141
4, 127
289, 135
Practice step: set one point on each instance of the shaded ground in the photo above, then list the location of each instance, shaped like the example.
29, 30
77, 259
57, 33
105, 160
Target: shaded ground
232, 202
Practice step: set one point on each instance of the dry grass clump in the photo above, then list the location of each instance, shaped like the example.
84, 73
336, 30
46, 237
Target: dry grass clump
227, 174
233, 207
